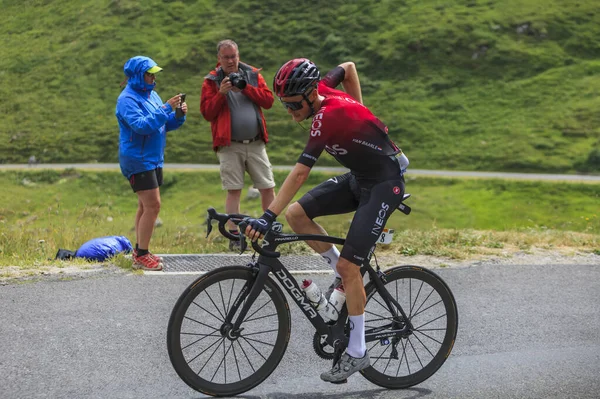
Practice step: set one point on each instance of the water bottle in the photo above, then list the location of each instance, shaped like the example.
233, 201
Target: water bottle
402, 161
336, 302
314, 294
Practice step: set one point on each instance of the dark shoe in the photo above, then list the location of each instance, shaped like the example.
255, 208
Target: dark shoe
347, 366
336, 284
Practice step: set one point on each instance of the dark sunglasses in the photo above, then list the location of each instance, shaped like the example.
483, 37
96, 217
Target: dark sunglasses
294, 106
297, 105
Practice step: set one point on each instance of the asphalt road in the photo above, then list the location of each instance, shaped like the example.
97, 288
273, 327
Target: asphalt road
411, 172
524, 332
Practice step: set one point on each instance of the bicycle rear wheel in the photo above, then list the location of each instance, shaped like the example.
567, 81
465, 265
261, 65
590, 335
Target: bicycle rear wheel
210, 358
404, 360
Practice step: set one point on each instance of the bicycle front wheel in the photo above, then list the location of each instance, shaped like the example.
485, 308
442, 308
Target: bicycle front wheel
401, 360
202, 348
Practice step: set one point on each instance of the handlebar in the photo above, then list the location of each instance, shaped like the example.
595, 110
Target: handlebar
241, 222
265, 252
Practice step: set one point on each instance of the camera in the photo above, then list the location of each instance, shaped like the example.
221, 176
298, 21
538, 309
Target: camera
237, 80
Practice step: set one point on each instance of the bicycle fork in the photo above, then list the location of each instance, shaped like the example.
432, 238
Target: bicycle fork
247, 296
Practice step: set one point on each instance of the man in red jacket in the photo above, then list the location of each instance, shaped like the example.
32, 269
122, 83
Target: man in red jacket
231, 100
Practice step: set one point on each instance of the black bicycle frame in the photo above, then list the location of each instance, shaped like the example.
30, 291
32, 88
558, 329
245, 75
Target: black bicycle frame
267, 263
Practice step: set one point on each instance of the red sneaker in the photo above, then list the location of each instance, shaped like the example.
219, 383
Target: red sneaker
158, 258
147, 262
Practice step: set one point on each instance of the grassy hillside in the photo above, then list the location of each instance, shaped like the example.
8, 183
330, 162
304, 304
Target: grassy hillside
465, 84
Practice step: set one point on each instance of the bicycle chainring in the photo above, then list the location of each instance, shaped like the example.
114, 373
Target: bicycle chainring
322, 348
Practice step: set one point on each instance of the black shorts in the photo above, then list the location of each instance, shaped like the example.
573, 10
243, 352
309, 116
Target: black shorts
147, 180
374, 201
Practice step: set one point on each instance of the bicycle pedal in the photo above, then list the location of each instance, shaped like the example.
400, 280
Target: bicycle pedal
339, 382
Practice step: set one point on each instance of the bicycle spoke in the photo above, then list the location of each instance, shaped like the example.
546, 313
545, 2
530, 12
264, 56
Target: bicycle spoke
381, 317
412, 305
389, 319
246, 355
385, 308
403, 357
230, 294
259, 332
224, 362
215, 305
374, 345
425, 346
259, 341
426, 309
202, 335
236, 361
222, 299
253, 347
431, 338
388, 363
418, 311
198, 340
261, 317
257, 310
211, 355
220, 320
416, 354
200, 354
199, 322
431, 321
380, 356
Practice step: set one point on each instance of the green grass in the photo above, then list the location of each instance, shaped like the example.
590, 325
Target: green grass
465, 84
45, 210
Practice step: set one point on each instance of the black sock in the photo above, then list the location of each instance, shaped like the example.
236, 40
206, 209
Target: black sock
136, 246
142, 252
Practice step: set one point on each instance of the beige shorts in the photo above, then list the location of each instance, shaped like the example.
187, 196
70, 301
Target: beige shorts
239, 158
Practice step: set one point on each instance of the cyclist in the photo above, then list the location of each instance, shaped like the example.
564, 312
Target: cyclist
374, 187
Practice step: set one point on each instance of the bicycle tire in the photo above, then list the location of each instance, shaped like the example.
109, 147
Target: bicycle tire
431, 307
201, 308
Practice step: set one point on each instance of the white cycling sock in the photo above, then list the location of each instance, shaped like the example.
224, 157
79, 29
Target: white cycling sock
332, 256
357, 346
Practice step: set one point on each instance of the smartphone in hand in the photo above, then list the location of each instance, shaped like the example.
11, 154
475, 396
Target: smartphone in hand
178, 110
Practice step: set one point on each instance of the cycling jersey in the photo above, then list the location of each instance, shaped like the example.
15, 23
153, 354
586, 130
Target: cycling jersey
355, 137
375, 185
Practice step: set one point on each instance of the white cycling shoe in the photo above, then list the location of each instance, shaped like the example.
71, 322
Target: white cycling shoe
347, 366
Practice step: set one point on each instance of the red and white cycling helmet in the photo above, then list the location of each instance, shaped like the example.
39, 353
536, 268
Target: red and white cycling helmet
295, 77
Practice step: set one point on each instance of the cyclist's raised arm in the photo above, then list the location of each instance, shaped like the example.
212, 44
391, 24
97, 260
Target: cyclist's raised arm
289, 188
346, 74
351, 83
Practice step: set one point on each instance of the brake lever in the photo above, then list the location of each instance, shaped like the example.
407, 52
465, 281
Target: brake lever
241, 229
208, 222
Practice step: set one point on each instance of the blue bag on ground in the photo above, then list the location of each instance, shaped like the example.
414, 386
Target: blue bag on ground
102, 248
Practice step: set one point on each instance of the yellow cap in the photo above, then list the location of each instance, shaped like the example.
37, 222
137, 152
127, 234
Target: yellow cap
154, 69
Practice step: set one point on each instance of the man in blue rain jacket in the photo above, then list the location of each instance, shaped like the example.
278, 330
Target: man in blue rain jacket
144, 121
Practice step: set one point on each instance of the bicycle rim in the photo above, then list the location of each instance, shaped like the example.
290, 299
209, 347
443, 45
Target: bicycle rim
202, 353
406, 360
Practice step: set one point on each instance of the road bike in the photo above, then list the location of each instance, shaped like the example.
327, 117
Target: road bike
230, 328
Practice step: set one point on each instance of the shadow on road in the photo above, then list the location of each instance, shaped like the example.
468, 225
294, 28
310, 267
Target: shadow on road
410, 393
